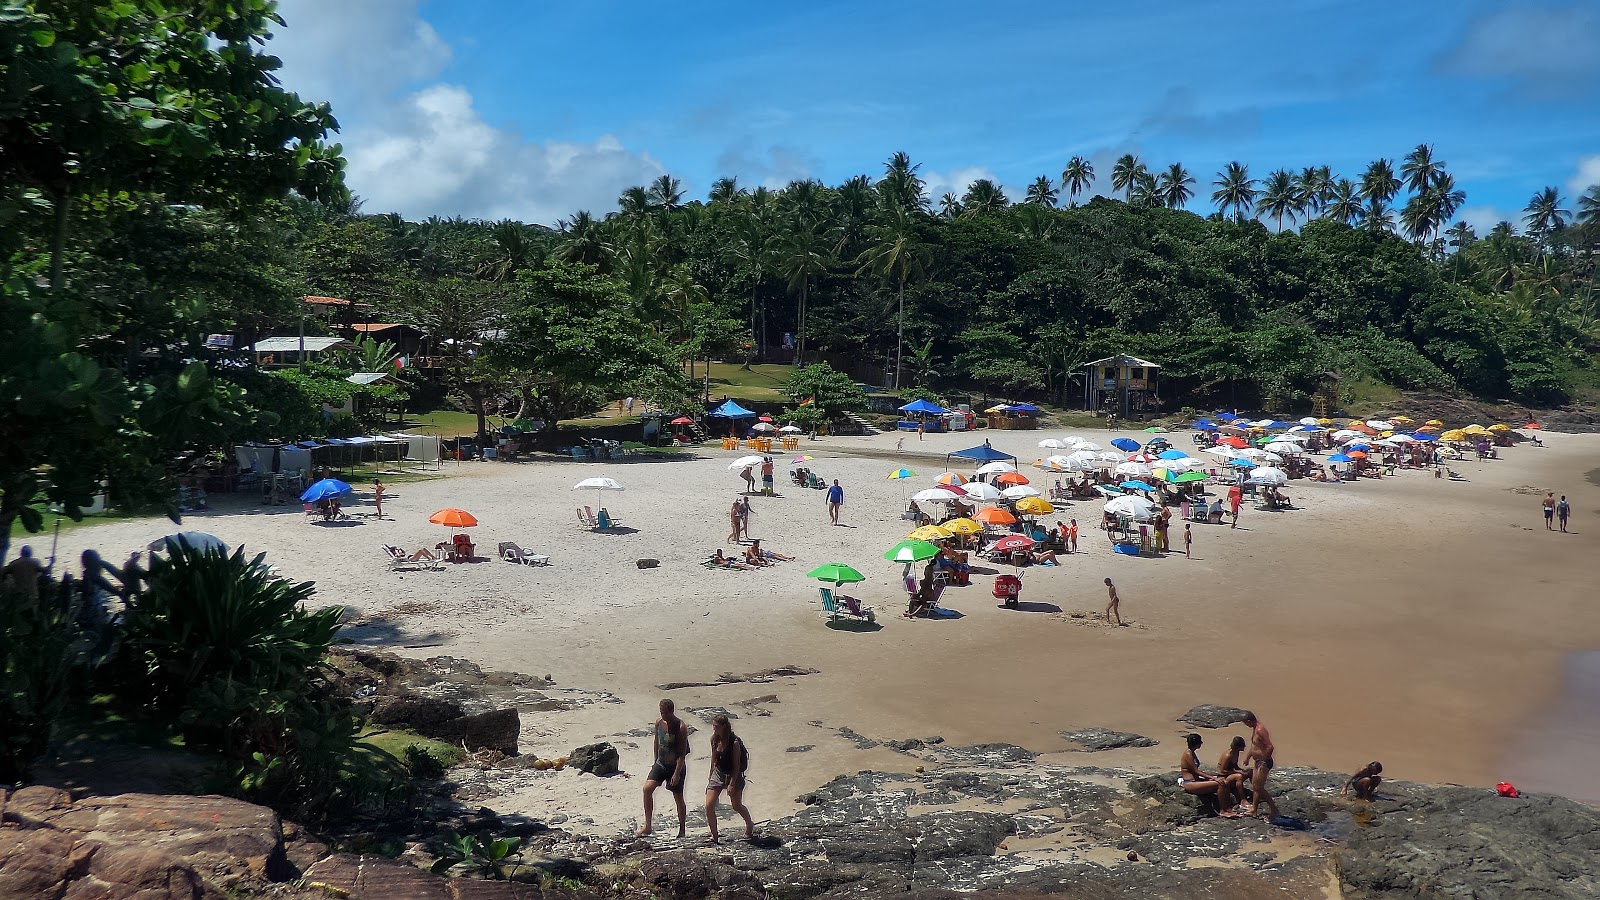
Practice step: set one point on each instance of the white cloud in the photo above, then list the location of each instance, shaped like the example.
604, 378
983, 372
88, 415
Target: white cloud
417, 145
773, 167
1587, 176
956, 181
1484, 218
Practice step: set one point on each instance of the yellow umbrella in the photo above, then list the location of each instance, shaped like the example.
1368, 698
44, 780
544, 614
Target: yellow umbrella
931, 533
1324, 421
1353, 423
1404, 420
1475, 428
1435, 423
1035, 506
1387, 434
962, 526
1428, 427
1455, 434
1500, 426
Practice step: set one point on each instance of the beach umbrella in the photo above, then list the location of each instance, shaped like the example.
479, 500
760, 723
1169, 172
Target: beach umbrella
1285, 447
1325, 422
1345, 434
1136, 469
962, 526
1134, 486
1234, 442
1189, 478
1241, 464
1224, 452
982, 493
745, 462
790, 429
597, 485
995, 468
1500, 427
1054, 444
1006, 479
1131, 505
681, 420
1340, 458
1269, 475
1035, 506
1357, 454
910, 551
1155, 429
763, 428
994, 515
801, 458
951, 478
1089, 446
198, 541
1308, 420
1125, 444
1435, 423
1010, 544
1424, 437
1455, 434
898, 474
836, 573
1357, 445
1534, 426
1380, 424
1142, 458
1401, 439
1019, 492
450, 517
322, 490
930, 533
936, 495
1226, 416
1172, 454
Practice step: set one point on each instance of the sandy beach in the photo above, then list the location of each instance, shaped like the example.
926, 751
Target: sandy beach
1428, 623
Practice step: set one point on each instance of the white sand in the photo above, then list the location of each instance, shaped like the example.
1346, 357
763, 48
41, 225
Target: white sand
1413, 620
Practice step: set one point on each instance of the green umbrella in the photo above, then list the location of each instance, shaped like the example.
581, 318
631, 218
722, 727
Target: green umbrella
1189, 477
838, 573
1154, 429
911, 551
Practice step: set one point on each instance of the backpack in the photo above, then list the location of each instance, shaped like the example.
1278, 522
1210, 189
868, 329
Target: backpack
744, 755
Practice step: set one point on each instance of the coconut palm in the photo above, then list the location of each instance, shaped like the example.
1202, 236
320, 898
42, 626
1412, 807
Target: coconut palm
1125, 175
635, 201
896, 255
582, 241
949, 206
1461, 235
1589, 206
1544, 214
1036, 223
1077, 177
666, 193
1311, 188
515, 248
983, 197
752, 245
1145, 192
1235, 190
1042, 192
901, 185
855, 206
1175, 186
726, 190
1420, 170
1375, 216
1344, 201
802, 255
1378, 182
1278, 197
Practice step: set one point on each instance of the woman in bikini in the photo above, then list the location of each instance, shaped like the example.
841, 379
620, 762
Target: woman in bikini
1194, 781
1365, 782
728, 762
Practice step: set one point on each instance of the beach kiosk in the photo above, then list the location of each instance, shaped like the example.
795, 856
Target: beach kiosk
1010, 417
731, 411
1122, 385
920, 412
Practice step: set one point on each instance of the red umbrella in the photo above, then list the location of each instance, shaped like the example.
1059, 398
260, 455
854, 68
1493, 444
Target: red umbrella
765, 419
1236, 443
682, 420
1010, 543
1533, 425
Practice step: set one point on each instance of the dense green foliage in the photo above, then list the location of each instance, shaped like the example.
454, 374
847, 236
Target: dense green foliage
42, 648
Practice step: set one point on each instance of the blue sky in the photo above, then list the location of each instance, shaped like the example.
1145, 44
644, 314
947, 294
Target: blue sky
496, 108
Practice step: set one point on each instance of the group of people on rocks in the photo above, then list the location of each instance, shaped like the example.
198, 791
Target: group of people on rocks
669, 768
1240, 784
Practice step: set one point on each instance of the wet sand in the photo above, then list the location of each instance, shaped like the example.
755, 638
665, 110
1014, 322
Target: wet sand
1420, 621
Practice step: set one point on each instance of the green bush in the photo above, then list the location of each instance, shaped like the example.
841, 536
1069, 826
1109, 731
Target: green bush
40, 649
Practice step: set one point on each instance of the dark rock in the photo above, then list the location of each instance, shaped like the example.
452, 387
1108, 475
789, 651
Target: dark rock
988, 754
707, 713
596, 759
862, 742
1096, 739
416, 713
647, 563
802, 748
497, 729
1207, 715
685, 875
905, 746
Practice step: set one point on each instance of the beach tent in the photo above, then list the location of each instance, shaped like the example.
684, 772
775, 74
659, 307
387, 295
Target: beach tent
923, 406
980, 454
731, 410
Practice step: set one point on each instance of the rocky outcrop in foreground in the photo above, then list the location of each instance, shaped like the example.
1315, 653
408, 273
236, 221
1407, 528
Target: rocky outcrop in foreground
982, 819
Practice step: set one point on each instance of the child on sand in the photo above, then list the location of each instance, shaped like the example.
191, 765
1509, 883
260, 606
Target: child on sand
1365, 782
1114, 606
1188, 542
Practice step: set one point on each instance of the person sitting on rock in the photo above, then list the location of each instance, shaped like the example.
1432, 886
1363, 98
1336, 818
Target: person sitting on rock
1230, 771
1365, 782
1194, 781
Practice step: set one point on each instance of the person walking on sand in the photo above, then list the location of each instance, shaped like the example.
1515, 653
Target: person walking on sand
1188, 542
749, 479
377, 495
1113, 603
735, 521
835, 501
729, 759
671, 752
922, 429
766, 475
1261, 753
1563, 510
1072, 534
1549, 510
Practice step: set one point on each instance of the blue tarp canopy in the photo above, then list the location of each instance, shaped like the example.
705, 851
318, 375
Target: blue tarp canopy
923, 406
981, 454
732, 410
1025, 408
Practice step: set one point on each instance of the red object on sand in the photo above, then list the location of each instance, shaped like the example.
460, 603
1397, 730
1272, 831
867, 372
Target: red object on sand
1010, 543
1507, 789
1534, 426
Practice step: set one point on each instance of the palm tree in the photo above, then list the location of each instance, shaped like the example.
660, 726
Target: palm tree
802, 255
1589, 206
666, 193
901, 185
1544, 213
855, 205
1312, 186
725, 190
582, 241
1461, 235
1036, 222
1175, 186
949, 206
1375, 216
1344, 201
1235, 190
752, 245
1042, 192
1278, 197
515, 248
1145, 191
1125, 175
1378, 182
635, 201
897, 255
1420, 170
1076, 178
983, 198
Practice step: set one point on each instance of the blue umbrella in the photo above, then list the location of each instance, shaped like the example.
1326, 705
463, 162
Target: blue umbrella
1125, 444
1362, 447
1424, 436
1340, 457
1241, 463
1204, 426
1172, 454
322, 490
1134, 486
1227, 416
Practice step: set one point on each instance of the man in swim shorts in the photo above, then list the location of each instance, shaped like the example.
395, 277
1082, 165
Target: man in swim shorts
1261, 751
671, 752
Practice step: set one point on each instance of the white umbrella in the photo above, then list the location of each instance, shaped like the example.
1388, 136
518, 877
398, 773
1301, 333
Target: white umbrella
1224, 452
1380, 425
1270, 459
1090, 446
1072, 463
1251, 453
1131, 505
597, 485
1345, 433
1107, 456
790, 429
1357, 438
1054, 444
1308, 420
981, 492
764, 427
1231, 429
1261, 423
745, 462
1135, 469
1018, 491
194, 540
1269, 475
1402, 439
995, 468
1183, 464
1285, 447
935, 495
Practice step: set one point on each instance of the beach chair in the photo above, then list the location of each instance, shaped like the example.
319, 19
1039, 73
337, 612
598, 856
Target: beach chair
312, 513
585, 518
400, 561
461, 549
835, 606
578, 452
512, 553
604, 520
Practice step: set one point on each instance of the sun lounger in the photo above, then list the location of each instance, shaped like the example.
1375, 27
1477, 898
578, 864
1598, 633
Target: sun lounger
512, 553
586, 519
401, 561
836, 605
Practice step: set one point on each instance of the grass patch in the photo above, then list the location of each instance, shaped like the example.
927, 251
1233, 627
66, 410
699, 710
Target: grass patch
51, 518
764, 382
1367, 395
444, 423
395, 741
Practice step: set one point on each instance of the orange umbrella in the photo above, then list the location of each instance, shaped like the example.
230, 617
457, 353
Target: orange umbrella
1357, 454
994, 516
1010, 478
453, 518
1236, 443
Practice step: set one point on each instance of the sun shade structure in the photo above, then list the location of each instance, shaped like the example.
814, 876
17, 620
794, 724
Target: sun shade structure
450, 517
836, 573
198, 541
911, 551
731, 410
923, 406
322, 490
981, 454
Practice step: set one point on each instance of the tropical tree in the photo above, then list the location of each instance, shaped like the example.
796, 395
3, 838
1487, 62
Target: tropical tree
583, 241
1278, 197
1042, 192
1146, 192
1420, 170
1544, 215
1235, 190
1461, 236
1175, 186
1376, 216
802, 255
983, 198
1344, 201
897, 256
1313, 185
1125, 175
950, 206
901, 185
516, 247
726, 190
1428, 210
666, 192
1077, 177
1589, 206
752, 245
1379, 183
635, 201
